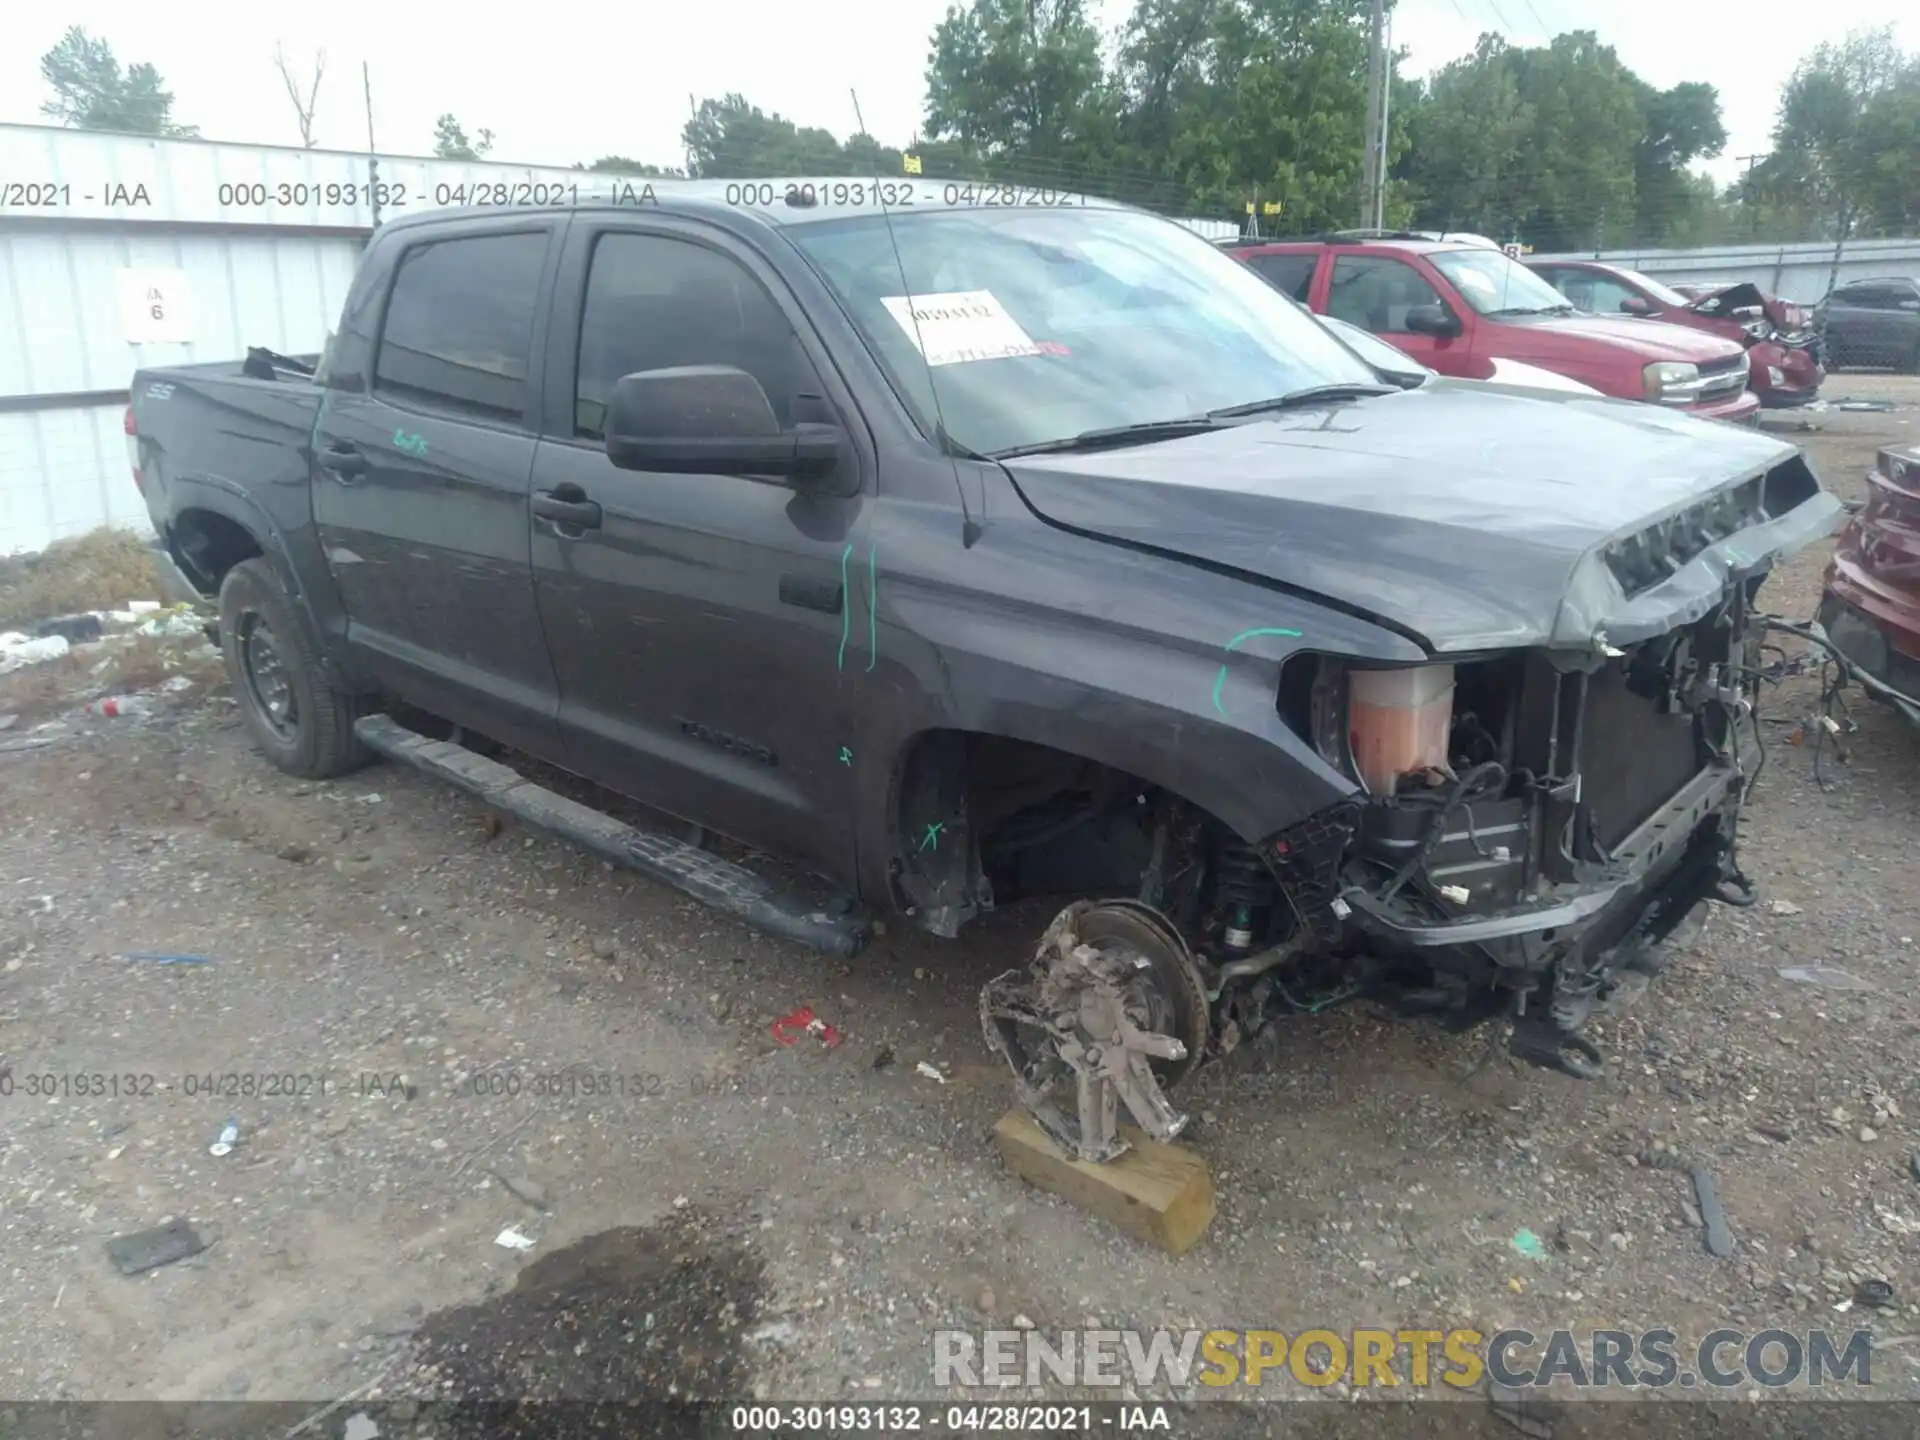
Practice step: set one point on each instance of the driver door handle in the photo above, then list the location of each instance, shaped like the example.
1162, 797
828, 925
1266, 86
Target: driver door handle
567, 505
343, 461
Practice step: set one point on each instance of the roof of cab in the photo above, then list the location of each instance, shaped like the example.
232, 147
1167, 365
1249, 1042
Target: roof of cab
789, 200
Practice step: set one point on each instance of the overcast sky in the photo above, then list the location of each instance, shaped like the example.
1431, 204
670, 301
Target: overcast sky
576, 82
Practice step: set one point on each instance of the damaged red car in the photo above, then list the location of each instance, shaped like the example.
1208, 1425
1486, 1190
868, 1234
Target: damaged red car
1871, 608
1783, 346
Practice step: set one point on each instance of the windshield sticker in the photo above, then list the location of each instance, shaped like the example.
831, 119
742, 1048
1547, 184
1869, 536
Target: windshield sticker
960, 326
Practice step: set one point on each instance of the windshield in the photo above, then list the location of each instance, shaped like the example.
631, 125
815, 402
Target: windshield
1495, 285
1038, 325
1664, 293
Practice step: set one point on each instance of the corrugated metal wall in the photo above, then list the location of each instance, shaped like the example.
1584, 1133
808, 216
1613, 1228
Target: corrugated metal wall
1793, 272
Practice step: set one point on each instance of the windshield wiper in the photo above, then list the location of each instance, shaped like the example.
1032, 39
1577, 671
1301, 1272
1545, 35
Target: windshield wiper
1312, 395
1529, 310
1145, 431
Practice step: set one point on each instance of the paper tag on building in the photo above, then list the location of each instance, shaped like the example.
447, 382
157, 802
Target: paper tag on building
958, 326
153, 307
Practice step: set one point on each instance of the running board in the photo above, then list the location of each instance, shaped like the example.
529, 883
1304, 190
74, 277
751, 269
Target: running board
687, 868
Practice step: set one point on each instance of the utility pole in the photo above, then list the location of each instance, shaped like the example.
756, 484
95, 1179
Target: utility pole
1386, 111
1376, 90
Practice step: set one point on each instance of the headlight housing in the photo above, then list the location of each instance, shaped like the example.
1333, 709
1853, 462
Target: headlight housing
1672, 382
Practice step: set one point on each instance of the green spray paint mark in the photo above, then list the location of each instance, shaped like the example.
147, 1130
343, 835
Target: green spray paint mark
873, 601
412, 444
846, 756
931, 840
1220, 680
840, 663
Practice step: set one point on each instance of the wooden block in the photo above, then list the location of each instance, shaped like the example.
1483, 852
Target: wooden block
1162, 1194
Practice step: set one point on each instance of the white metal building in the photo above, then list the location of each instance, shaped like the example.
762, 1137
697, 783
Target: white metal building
118, 251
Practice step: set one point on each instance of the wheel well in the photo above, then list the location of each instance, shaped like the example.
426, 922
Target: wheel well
207, 544
983, 818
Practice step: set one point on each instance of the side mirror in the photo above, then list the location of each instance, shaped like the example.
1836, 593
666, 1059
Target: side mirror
1636, 305
1434, 320
715, 420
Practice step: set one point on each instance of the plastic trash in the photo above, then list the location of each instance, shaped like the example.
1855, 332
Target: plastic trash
142, 607
18, 651
511, 1239
114, 706
161, 957
229, 1137
789, 1028
930, 1072
1526, 1243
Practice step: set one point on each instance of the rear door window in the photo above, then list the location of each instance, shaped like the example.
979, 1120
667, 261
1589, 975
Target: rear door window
458, 331
1289, 274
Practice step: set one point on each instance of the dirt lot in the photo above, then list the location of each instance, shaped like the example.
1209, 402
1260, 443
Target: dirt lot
739, 1219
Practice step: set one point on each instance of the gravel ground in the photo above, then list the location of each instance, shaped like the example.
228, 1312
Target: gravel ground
427, 1030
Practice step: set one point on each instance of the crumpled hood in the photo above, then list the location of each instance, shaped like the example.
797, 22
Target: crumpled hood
1649, 339
1458, 515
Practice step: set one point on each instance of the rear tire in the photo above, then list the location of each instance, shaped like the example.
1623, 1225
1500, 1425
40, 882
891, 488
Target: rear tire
299, 722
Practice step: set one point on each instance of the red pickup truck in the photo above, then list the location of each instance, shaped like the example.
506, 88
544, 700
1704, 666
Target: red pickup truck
1459, 307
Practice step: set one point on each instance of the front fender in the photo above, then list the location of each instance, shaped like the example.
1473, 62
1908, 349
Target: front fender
1164, 671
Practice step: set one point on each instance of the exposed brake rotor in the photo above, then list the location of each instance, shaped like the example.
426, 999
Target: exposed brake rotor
1111, 1011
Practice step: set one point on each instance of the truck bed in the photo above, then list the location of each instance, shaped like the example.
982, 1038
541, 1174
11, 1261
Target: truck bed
243, 427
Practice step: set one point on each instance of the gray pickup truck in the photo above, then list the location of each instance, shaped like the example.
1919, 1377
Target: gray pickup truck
961, 544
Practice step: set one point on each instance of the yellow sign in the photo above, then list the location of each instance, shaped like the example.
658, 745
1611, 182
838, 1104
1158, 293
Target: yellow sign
911, 163
1267, 207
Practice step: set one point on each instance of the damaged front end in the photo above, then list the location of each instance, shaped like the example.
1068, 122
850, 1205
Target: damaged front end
1529, 832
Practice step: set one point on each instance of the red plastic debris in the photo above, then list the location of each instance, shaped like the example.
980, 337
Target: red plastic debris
789, 1028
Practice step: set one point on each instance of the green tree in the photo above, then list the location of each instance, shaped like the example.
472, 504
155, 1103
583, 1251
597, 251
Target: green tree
730, 139
1469, 133
92, 92
1671, 204
621, 165
450, 141
1019, 84
1844, 138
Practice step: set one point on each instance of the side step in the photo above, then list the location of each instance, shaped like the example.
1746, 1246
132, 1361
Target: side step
688, 869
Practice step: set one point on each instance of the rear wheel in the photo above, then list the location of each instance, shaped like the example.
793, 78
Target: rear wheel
300, 723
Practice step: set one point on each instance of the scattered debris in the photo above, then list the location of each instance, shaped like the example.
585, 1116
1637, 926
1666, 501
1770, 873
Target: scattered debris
150, 1249
931, 1072
156, 957
175, 684
1827, 977
882, 1057
511, 1239
1785, 907
18, 651
178, 624
1874, 1294
115, 706
7, 722
523, 1188
229, 1137
142, 607
360, 1426
1913, 1165
1526, 1243
1713, 1219
75, 629
1894, 1223
774, 1332
789, 1028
